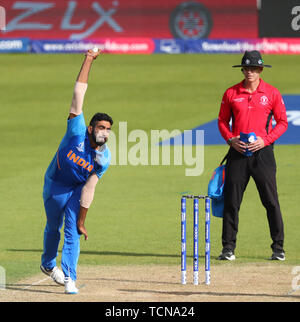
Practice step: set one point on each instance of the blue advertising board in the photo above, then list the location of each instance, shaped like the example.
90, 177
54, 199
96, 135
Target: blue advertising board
14, 45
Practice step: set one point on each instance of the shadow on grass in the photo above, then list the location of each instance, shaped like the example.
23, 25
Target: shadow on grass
243, 259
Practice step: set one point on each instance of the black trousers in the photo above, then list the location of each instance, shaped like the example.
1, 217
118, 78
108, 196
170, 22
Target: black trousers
261, 166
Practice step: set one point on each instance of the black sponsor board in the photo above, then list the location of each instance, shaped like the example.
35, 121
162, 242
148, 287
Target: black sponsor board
279, 18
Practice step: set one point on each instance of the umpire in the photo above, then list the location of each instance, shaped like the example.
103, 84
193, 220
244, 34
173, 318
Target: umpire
250, 106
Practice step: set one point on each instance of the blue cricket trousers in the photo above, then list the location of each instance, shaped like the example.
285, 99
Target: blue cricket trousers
61, 200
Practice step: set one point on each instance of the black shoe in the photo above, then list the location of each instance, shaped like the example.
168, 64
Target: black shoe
279, 256
227, 255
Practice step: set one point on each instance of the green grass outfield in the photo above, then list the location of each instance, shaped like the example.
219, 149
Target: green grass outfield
135, 217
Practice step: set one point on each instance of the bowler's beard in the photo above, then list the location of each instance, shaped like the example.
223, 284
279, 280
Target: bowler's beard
98, 139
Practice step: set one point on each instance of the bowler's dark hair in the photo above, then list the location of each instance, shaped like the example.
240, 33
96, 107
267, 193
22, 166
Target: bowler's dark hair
101, 117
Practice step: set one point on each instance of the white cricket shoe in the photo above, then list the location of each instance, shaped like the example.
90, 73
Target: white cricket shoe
70, 287
55, 273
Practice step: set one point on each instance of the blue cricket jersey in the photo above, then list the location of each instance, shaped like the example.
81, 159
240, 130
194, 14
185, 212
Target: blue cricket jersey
75, 160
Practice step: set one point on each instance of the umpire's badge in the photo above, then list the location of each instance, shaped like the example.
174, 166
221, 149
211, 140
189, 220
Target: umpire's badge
264, 100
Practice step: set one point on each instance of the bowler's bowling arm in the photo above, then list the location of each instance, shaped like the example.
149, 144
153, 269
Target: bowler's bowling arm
81, 84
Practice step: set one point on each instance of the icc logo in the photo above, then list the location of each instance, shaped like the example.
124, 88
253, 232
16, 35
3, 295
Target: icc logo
264, 100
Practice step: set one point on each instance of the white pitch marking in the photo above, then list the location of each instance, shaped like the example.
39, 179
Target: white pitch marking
36, 283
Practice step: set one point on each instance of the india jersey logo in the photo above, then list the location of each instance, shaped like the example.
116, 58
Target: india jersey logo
80, 161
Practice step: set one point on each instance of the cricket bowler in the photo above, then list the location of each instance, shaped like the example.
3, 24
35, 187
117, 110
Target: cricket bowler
70, 180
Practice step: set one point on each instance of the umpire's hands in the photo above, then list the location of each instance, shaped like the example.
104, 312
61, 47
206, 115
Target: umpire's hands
241, 146
238, 145
256, 145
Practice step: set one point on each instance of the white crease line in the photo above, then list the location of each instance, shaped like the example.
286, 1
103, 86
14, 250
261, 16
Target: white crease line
36, 283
